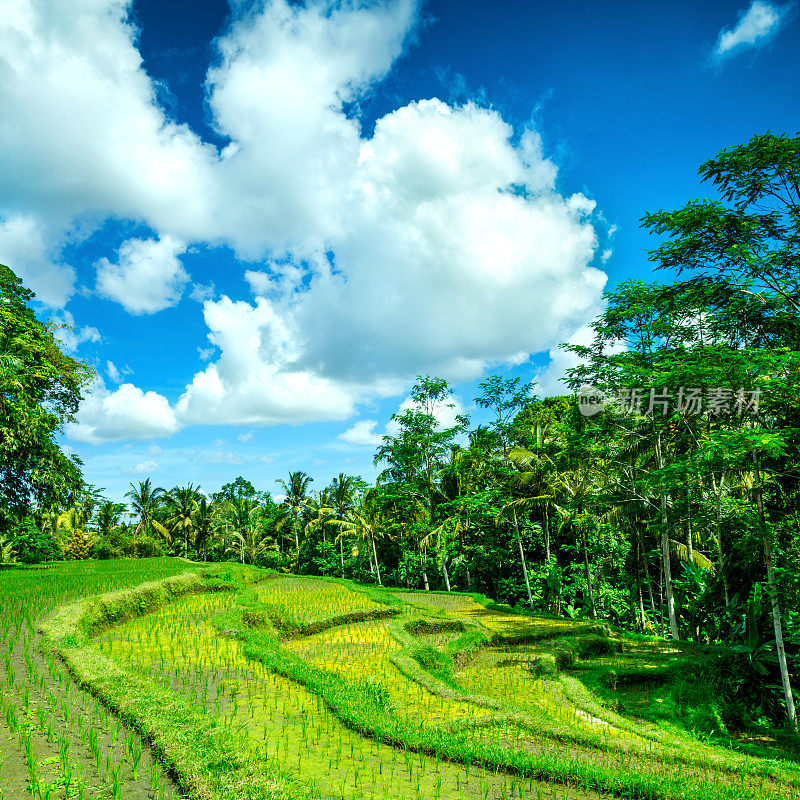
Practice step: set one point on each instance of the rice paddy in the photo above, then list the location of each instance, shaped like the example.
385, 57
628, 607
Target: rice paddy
338, 691
56, 739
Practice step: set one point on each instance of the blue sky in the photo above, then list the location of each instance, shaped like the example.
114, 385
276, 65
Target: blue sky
263, 220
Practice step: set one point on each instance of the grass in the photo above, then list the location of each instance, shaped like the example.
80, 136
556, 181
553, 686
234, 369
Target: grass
248, 684
57, 740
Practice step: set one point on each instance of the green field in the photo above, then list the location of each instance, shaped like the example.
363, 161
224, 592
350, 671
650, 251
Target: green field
233, 682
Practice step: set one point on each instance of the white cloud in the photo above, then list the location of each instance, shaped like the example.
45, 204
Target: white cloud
255, 381
26, 248
753, 28
115, 373
548, 379
83, 136
126, 413
362, 433
221, 457
284, 73
201, 292
144, 468
437, 244
148, 276
245, 437
71, 336
445, 413
154, 450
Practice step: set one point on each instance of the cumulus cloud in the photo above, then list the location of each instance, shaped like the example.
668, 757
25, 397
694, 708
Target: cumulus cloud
445, 412
144, 468
254, 381
437, 244
126, 413
759, 22
549, 379
362, 433
27, 249
116, 373
147, 277
84, 137
69, 335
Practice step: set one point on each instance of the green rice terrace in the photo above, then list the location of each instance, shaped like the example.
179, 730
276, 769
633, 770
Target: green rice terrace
162, 678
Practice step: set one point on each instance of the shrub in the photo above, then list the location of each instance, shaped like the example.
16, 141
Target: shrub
609, 679
564, 658
598, 646
543, 666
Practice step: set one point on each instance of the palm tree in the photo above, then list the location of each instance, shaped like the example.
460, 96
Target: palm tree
296, 492
320, 512
250, 537
364, 522
343, 497
144, 501
183, 506
107, 521
6, 551
204, 524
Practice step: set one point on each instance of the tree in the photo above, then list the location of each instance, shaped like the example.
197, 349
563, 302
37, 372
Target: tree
250, 537
750, 241
364, 522
416, 455
76, 539
204, 525
182, 503
342, 497
144, 500
296, 491
505, 399
108, 516
40, 389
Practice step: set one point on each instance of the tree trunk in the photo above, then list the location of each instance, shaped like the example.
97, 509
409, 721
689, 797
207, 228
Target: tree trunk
375, 554
689, 542
341, 555
445, 576
673, 621
720, 552
522, 558
640, 598
588, 573
546, 530
424, 564
773, 596
649, 587
296, 537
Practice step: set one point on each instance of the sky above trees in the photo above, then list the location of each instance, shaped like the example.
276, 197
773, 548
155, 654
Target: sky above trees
263, 220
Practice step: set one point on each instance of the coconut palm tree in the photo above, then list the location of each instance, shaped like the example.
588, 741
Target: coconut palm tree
108, 516
296, 492
319, 512
342, 499
250, 537
143, 502
182, 502
364, 522
204, 524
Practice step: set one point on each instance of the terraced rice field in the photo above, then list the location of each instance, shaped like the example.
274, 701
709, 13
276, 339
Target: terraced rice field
326, 689
56, 739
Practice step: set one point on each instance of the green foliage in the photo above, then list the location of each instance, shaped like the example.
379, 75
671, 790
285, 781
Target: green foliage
32, 545
40, 389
